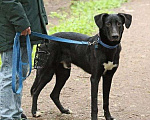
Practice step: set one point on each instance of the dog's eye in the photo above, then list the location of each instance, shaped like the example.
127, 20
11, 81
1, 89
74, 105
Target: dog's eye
108, 24
118, 24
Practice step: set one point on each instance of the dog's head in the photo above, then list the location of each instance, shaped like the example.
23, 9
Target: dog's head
112, 25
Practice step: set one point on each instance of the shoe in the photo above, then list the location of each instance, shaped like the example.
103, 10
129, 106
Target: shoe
23, 117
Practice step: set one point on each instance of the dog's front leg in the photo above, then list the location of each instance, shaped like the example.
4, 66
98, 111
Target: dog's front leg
94, 92
107, 79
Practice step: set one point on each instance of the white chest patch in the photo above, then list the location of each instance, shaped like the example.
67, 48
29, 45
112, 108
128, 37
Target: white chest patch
109, 66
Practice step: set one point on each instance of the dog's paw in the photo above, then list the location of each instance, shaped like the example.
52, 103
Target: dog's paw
66, 111
110, 118
37, 114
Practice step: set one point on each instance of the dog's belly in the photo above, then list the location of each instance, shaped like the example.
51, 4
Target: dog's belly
85, 67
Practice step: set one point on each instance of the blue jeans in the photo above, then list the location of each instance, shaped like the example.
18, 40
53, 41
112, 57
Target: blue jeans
10, 103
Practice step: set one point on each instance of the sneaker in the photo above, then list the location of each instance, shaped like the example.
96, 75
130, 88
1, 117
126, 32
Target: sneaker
23, 117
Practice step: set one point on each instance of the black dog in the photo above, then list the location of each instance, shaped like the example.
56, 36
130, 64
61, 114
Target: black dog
100, 59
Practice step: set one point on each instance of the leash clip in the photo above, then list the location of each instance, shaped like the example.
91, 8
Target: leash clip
93, 43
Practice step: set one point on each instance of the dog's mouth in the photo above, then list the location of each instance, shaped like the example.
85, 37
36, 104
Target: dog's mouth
114, 38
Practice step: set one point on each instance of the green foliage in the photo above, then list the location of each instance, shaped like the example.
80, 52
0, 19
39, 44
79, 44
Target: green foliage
0, 60
55, 14
33, 53
82, 14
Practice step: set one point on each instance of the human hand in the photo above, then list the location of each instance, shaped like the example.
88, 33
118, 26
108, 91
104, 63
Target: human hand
26, 31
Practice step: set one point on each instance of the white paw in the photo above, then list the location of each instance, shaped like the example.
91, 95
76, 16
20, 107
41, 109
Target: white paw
70, 111
38, 114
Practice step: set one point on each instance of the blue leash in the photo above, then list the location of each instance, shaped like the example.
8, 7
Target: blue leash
18, 64
58, 39
73, 41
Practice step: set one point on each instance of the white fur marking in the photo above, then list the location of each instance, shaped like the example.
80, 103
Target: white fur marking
65, 65
109, 66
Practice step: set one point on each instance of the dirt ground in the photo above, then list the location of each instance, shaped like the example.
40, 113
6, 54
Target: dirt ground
130, 93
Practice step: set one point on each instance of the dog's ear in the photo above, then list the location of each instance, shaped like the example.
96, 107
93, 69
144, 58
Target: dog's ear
127, 19
99, 19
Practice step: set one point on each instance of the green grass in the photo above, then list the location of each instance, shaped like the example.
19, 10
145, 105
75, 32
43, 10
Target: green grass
82, 14
80, 19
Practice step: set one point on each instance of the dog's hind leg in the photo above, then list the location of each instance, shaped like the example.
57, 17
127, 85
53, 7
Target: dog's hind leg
41, 80
62, 75
36, 81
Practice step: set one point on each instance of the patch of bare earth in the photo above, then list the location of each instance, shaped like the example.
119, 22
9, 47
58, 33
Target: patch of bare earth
130, 93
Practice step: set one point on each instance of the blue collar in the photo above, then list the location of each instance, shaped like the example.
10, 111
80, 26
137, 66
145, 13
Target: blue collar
105, 45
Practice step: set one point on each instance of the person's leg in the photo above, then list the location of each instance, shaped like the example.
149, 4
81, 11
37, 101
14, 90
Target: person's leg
25, 68
8, 103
